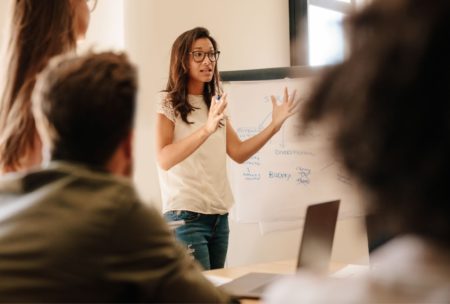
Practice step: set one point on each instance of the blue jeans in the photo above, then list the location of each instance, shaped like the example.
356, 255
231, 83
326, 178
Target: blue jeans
205, 236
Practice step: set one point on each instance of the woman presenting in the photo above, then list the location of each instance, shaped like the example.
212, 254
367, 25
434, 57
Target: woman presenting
193, 137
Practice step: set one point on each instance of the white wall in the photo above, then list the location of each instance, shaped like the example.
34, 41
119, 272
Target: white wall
106, 29
4, 19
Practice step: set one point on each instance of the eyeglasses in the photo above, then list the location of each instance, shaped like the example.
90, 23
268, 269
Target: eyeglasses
199, 56
92, 4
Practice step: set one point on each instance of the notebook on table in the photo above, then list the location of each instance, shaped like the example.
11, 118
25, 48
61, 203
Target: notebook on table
314, 253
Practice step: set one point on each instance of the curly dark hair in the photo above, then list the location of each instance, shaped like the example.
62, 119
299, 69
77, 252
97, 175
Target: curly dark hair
176, 87
390, 101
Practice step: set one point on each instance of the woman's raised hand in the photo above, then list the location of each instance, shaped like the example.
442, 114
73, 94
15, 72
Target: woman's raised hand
282, 111
216, 113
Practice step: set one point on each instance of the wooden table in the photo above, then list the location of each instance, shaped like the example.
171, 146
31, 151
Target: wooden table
278, 267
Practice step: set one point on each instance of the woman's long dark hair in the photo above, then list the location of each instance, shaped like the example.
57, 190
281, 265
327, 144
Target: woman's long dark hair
176, 88
39, 31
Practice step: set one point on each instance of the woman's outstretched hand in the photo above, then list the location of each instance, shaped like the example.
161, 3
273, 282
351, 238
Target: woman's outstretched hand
282, 111
216, 113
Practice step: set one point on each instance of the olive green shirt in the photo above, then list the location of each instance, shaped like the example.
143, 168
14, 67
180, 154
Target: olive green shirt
69, 233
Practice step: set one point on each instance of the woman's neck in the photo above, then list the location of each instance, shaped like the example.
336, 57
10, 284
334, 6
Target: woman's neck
195, 87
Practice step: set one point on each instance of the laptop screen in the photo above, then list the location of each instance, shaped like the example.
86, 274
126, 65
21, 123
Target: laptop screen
314, 254
318, 236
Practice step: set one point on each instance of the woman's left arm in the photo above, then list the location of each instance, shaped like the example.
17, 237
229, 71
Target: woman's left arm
240, 151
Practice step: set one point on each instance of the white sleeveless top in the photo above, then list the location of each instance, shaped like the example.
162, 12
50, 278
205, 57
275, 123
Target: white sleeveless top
200, 182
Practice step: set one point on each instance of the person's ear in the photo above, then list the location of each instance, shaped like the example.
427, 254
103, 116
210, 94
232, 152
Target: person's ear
128, 145
128, 155
121, 162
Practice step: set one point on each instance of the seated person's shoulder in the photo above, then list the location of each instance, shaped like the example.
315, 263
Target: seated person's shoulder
84, 189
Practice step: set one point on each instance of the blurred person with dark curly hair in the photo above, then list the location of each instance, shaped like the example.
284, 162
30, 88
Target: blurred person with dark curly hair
389, 107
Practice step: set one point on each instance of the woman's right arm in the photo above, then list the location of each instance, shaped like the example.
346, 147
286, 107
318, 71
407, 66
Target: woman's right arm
170, 153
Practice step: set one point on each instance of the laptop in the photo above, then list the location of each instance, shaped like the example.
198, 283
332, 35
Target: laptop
314, 253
